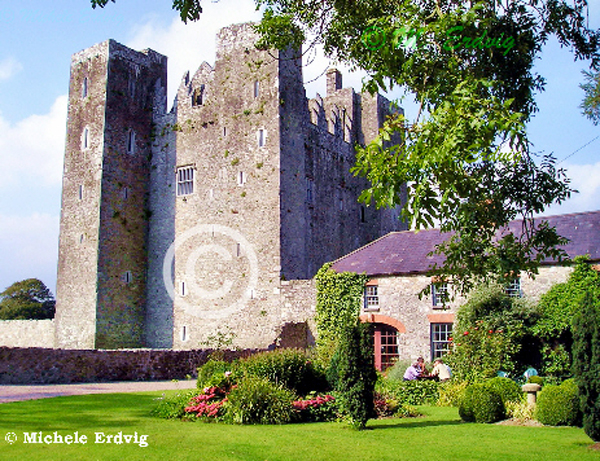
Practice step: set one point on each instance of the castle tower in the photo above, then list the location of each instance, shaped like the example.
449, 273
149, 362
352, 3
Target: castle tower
101, 284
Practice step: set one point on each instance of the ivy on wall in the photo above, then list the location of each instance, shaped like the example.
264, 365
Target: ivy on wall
339, 296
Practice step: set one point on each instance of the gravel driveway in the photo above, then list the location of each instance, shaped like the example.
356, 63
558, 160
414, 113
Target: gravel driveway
14, 393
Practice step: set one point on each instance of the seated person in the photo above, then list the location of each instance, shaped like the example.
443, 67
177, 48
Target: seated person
412, 372
421, 366
441, 370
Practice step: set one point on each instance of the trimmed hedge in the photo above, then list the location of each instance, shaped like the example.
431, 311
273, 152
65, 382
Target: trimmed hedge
508, 390
559, 405
481, 404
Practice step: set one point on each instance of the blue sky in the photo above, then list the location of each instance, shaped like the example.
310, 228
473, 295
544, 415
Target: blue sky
38, 38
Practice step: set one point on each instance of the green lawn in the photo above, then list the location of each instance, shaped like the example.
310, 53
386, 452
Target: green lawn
439, 436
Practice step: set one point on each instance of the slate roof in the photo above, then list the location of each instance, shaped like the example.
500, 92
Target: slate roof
406, 252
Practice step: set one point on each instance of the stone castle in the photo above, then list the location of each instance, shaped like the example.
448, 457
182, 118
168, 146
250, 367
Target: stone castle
210, 219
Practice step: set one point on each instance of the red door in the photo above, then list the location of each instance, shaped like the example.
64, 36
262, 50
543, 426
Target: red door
385, 344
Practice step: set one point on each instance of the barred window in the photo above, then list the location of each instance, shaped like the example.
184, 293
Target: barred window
185, 180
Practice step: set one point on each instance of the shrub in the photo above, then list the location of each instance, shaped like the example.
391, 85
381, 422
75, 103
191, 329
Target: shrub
509, 390
316, 409
209, 404
536, 380
414, 392
213, 373
481, 404
258, 401
558, 405
356, 374
586, 363
451, 393
292, 368
521, 410
174, 406
396, 372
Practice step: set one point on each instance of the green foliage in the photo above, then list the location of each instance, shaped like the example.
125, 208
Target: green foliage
536, 380
259, 401
414, 392
489, 333
356, 375
520, 410
558, 405
25, 300
189, 10
396, 371
591, 101
339, 298
173, 407
586, 362
466, 156
481, 404
558, 307
508, 390
451, 393
214, 373
291, 368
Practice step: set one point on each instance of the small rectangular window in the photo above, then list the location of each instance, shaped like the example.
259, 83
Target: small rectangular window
261, 137
84, 88
372, 297
439, 294
184, 336
80, 191
85, 138
241, 178
513, 289
127, 277
441, 338
182, 288
185, 180
309, 190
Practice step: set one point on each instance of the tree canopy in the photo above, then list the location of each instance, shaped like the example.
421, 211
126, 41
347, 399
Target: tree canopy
25, 300
466, 158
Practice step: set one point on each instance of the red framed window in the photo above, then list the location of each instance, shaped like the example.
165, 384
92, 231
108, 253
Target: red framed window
385, 346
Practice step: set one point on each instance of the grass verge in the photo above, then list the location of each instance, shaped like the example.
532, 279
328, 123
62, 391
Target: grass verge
439, 435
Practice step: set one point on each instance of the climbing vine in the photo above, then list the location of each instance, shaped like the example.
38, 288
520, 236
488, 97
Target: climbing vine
339, 297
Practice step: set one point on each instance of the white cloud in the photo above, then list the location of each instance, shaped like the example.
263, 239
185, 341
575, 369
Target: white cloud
31, 151
9, 67
188, 45
585, 179
30, 244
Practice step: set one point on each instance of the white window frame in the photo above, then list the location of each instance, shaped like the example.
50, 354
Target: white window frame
185, 178
371, 297
439, 294
513, 288
440, 333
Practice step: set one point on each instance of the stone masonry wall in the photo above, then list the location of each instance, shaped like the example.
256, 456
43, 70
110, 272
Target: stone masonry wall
27, 333
58, 366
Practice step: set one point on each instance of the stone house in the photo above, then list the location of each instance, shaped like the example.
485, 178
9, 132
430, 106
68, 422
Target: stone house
407, 326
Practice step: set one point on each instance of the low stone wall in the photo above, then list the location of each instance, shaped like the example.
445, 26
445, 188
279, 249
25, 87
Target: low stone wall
62, 366
27, 333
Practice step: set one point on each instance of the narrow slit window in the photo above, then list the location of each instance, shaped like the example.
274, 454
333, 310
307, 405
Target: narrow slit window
261, 137
131, 142
84, 88
184, 333
256, 89
125, 193
85, 138
127, 277
241, 178
80, 191
182, 288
